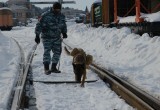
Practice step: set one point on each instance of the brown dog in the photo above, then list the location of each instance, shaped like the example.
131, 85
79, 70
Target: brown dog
80, 63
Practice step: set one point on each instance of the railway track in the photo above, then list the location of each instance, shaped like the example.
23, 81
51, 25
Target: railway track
16, 85
134, 96
17, 96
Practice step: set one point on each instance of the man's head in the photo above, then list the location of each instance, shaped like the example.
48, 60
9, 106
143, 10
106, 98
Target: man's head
56, 7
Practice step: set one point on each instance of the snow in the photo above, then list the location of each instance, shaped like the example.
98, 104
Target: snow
153, 17
132, 57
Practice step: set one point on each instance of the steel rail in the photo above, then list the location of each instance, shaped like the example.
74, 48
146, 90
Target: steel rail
131, 94
122, 91
20, 72
19, 89
150, 100
61, 82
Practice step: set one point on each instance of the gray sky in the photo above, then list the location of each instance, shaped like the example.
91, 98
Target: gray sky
80, 4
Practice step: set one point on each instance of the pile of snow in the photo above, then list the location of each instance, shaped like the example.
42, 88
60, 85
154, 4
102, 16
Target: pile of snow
154, 17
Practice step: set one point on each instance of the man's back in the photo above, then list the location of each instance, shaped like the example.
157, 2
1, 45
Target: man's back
51, 25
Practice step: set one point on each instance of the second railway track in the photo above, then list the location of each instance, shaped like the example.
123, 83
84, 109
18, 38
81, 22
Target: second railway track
18, 92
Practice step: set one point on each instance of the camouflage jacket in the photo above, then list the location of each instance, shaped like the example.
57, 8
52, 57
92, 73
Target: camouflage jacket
51, 25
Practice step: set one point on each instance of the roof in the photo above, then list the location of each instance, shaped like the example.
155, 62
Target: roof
6, 8
16, 7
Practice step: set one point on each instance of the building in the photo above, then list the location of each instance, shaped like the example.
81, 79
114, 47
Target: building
1, 4
22, 10
71, 13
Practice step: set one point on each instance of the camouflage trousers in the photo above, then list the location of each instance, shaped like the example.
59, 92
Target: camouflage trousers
54, 45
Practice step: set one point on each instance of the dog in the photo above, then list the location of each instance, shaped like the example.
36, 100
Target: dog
80, 63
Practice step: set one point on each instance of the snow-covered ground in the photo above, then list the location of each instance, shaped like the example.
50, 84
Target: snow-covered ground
134, 58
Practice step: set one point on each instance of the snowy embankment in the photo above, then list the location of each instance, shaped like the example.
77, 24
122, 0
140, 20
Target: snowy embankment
132, 57
9, 62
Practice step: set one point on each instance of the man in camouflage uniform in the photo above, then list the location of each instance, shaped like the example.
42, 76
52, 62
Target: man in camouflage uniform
51, 26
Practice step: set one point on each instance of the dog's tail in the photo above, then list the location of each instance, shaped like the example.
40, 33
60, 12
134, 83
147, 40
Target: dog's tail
67, 51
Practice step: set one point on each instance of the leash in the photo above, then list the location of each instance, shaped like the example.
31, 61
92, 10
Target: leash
58, 64
59, 58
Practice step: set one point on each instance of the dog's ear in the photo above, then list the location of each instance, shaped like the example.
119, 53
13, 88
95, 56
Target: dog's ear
81, 51
89, 59
74, 52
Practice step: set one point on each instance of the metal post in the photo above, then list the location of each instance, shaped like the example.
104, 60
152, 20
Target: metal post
138, 19
115, 11
105, 12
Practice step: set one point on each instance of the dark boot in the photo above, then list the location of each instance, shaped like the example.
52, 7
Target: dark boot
46, 69
54, 69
